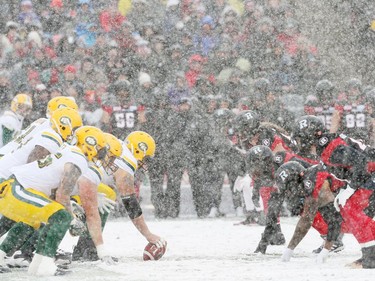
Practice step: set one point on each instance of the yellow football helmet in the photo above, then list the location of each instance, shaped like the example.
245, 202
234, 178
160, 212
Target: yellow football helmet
114, 151
60, 102
92, 142
114, 144
140, 144
65, 121
21, 104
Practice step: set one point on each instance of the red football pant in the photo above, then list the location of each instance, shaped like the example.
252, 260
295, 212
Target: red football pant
359, 224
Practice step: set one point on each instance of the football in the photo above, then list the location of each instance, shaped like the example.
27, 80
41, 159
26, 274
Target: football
153, 253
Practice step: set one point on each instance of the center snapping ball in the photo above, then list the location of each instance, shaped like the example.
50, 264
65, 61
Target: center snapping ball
153, 253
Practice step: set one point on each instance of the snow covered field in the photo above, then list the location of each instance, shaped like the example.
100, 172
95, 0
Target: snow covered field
209, 249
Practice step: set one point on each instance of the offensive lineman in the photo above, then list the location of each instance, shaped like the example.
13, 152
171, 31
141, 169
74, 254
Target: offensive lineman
137, 147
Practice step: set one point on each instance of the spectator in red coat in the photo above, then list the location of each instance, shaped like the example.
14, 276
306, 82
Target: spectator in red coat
195, 68
111, 19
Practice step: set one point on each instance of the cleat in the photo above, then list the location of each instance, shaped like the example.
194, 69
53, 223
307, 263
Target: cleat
63, 266
20, 260
338, 246
63, 257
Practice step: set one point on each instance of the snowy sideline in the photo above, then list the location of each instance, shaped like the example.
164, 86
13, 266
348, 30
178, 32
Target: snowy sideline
209, 249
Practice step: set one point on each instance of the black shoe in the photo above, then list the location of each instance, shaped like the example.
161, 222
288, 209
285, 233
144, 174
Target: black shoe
63, 266
336, 247
19, 260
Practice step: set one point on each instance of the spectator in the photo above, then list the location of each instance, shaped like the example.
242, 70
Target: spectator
172, 16
110, 18
27, 16
57, 19
178, 90
6, 93
196, 63
206, 40
8, 39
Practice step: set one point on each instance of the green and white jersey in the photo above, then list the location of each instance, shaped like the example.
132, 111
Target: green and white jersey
10, 126
34, 128
127, 161
45, 175
46, 138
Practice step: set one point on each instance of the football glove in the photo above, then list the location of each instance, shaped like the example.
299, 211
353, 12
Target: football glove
342, 197
105, 204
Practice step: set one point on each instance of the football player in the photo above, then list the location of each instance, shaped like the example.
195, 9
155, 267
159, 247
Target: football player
11, 121
350, 116
251, 131
341, 158
319, 189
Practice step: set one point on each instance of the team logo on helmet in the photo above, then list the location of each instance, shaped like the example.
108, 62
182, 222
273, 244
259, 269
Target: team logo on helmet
142, 146
302, 124
249, 116
65, 120
266, 142
283, 175
278, 159
91, 140
257, 150
323, 140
